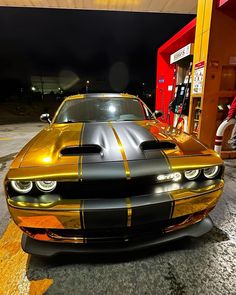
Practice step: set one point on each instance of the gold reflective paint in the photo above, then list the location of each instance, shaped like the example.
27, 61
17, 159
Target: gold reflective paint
59, 219
191, 201
14, 265
55, 172
45, 148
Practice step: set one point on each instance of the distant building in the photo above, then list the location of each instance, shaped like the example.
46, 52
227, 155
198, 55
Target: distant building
45, 84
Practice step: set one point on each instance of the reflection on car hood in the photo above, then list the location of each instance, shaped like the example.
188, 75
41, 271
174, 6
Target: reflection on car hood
112, 142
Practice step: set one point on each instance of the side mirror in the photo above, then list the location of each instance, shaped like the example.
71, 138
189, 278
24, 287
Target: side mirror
157, 114
45, 118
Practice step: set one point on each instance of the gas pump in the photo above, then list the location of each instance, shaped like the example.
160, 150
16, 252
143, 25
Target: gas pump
180, 104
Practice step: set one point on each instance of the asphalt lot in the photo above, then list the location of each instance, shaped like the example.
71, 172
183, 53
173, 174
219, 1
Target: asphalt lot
203, 266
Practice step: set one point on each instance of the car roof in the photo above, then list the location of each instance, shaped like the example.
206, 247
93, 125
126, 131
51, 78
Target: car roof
100, 95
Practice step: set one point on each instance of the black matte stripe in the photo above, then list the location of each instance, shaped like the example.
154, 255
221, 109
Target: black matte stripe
113, 213
109, 163
149, 167
105, 213
102, 135
121, 148
115, 170
132, 135
104, 171
151, 209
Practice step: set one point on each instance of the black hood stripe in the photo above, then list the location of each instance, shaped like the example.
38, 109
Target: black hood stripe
132, 135
109, 163
121, 156
126, 164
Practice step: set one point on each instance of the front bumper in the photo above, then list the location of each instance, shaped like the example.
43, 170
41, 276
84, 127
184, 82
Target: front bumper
99, 221
42, 248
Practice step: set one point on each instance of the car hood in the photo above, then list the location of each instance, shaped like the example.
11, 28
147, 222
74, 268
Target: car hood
106, 142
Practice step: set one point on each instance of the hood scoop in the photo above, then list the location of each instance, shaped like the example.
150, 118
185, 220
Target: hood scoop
81, 150
157, 145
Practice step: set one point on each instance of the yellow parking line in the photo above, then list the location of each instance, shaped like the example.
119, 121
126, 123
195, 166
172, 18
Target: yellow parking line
5, 138
14, 263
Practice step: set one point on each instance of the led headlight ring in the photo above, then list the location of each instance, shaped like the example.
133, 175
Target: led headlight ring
192, 174
22, 187
46, 186
211, 172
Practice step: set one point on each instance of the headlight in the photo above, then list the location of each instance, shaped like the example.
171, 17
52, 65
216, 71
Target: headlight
46, 186
22, 186
211, 172
192, 174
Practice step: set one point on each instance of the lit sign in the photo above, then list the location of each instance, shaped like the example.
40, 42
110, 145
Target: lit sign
198, 77
181, 53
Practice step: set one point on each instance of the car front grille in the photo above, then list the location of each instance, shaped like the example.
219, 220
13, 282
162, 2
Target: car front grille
106, 189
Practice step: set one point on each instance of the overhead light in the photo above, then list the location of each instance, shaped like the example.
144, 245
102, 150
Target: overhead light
112, 109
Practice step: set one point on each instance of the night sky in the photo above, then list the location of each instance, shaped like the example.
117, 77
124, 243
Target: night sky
95, 45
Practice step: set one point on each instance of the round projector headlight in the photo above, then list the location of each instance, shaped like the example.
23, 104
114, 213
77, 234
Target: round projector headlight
22, 186
192, 174
211, 172
46, 186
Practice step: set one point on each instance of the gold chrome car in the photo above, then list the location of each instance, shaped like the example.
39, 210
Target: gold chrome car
106, 175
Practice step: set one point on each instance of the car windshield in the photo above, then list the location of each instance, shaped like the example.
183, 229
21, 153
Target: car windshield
101, 109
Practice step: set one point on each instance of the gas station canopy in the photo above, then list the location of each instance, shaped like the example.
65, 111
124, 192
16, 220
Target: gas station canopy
163, 6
